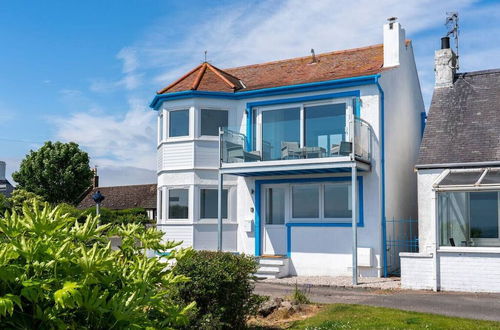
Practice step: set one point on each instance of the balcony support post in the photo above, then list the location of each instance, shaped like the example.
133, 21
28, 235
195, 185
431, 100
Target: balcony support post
219, 194
353, 205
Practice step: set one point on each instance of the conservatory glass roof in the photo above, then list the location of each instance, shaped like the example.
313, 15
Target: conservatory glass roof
469, 178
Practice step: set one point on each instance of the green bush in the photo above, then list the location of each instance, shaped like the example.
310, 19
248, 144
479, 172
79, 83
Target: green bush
56, 272
221, 285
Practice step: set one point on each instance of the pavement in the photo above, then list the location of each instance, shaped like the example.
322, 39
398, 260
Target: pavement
383, 283
481, 306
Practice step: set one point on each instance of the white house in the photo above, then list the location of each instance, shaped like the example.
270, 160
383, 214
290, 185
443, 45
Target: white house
286, 158
458, 184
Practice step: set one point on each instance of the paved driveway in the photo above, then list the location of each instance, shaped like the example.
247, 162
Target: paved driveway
482, 306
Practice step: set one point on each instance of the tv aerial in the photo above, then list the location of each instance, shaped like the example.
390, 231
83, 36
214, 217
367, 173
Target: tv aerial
451, 24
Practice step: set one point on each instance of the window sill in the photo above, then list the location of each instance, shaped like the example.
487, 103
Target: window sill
214, 222
469, 249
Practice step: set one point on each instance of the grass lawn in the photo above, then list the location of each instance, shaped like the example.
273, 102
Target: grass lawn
342, 316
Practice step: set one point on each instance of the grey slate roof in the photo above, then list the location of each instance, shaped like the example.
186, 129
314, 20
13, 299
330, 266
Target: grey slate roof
463, 124
124, 197
6, 188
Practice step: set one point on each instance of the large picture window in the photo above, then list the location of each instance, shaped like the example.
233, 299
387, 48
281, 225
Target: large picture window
280, 133
469, 218
178, 203
211, 120
209, 203
178, 123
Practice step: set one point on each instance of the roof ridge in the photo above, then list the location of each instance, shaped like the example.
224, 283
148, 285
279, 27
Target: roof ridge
127, 185
343, 51
477, 73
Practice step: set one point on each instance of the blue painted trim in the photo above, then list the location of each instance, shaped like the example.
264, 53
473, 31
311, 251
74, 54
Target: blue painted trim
299, 88
382, 173
289, 225
423, 120
257, 220
249, 132
357, 107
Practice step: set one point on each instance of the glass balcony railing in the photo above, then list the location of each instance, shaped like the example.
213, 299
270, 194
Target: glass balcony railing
335, 143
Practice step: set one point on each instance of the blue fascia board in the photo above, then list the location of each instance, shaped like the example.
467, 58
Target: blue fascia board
289, 225
291, 89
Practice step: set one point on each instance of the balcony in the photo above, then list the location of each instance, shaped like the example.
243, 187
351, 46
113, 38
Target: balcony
320, 147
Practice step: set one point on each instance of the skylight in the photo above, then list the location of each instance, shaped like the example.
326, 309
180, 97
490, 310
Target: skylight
470, 178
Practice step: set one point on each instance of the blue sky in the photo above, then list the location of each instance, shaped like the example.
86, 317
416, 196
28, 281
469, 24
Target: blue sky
85, 71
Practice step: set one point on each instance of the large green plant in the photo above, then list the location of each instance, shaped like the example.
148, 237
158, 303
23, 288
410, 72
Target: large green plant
59, 172
58, 273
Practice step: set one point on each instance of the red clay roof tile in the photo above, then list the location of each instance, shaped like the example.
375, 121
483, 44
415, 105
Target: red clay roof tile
328, 66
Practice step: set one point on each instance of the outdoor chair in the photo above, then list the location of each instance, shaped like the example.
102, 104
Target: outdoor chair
290, 150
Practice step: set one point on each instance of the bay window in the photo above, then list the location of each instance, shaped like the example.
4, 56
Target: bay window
208, 204
178, 124
211, 120
178, 205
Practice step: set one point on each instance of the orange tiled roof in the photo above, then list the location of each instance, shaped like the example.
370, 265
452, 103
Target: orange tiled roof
328, 66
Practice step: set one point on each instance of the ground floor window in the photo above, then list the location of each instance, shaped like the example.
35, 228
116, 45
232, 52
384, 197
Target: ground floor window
322, 201
208, 204
178, 203
469, 218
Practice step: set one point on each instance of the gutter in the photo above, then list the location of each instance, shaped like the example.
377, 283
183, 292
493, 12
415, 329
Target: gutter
382, 174
272, 91
455, 165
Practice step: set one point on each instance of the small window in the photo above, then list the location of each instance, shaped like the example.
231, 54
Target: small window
338, 201
208, 204
305, 201
275, 206
160, 127
211, 120
178, 203
179, 123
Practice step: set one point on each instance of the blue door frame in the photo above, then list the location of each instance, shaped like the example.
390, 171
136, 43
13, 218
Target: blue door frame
289, 225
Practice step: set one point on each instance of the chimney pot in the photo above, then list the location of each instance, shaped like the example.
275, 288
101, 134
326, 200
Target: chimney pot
445, 42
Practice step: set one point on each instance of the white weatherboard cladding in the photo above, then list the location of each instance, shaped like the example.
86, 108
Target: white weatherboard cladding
177, 155
179, 233
205, 237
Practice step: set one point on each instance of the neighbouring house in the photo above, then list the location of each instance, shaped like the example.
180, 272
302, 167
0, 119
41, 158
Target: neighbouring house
285, 158
5, 187
458, 184
123, 197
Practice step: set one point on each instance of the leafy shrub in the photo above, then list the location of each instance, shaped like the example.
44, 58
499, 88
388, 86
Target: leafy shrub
114, 217
221, 285
21, 196
56, 272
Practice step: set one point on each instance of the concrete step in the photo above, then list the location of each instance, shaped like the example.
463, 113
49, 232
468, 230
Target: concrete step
272, 267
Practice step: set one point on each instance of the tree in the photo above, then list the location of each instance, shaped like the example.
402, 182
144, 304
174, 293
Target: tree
58, 172
58, 273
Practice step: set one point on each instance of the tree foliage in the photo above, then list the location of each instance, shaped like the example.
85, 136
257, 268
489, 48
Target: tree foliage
59, 172
56, 272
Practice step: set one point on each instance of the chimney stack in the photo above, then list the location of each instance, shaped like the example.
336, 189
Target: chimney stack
95, 182
394, 42
445, 64
2, 170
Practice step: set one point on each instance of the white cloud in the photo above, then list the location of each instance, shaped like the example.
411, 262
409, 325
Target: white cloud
131, 78
127, 140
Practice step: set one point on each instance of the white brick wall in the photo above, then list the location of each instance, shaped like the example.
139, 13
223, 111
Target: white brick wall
417, 271
457, 271
475, 272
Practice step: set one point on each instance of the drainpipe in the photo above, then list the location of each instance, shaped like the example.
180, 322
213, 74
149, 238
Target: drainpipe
382, 175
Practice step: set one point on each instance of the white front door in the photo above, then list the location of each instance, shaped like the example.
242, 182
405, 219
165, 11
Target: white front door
273, 199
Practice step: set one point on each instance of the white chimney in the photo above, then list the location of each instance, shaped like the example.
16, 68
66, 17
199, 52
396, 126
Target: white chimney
394, 42
445, 64
2, 170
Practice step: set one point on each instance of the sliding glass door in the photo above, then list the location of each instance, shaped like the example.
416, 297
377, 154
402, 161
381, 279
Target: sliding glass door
279, 126
325, 127
302, 131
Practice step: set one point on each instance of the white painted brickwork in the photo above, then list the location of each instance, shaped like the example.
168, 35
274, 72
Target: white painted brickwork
417, 271
475, 272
